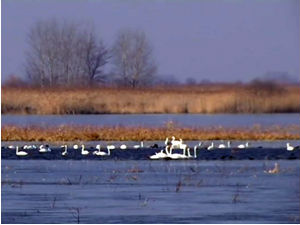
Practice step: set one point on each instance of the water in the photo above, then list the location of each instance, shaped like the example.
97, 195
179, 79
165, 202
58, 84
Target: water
57, 191
151, 120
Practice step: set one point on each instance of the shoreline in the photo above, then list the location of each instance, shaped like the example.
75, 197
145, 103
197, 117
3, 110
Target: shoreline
118, 133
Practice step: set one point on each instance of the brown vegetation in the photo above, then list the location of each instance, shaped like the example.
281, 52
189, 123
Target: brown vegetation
89, 133
212, 98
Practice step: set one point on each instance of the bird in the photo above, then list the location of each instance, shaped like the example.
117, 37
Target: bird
275, 170
11, 147
176, 144
29, 147
44, 149
75, 146
99, 153
123, 147
221, 146
159, 155
154, 146
211, 146
109, 147
139, 146
243, 145
20, 153
195, 149
175, 155
83, 151
65, 152
289, 147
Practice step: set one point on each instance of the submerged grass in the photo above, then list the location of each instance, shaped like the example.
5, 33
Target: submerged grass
213, 98
93, 133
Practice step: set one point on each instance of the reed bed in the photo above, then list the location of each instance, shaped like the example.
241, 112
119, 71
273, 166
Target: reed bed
93, 133
226, 98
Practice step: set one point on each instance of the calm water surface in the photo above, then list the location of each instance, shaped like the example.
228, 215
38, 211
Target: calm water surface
52, 191
225, 120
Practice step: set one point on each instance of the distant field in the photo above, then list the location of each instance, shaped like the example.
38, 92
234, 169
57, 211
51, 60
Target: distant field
212, 98
93, 133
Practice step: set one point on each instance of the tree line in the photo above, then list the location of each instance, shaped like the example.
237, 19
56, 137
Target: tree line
69, 54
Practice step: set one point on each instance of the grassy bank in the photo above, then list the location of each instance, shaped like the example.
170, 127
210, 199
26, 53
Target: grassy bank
213, 98
89, 133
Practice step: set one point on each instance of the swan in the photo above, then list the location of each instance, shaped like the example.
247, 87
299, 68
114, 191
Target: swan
159, 155
65, 152
222, 146
139, 146
110, 147
195, 149
175, 155
243, 145
123, 147
176, 144
83, 151
289, 147
44, 149
99, 153
11, 147
211, 146
20, 153
75, 146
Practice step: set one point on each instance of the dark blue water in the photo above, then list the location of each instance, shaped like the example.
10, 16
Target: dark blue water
225, 120
57, 191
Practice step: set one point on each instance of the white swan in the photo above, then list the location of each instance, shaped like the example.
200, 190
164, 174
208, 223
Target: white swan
110, 147
222, 146
211, 146
75, 146
20, 153
159, 155
243, 145
139, 146
65, 152
99, 153
83, 151
176, 144
175, 155
123, 147
44, 148
11, 147
195, 149
289, 147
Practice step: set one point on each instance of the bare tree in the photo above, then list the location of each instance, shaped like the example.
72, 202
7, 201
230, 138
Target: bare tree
64, 54
132, 58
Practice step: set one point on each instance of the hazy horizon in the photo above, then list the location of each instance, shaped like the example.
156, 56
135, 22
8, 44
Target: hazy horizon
225, 40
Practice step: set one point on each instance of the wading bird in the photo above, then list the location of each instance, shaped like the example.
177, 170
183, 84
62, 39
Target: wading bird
20, 153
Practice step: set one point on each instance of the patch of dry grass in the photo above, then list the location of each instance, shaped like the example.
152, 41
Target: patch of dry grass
226, 98
90, 133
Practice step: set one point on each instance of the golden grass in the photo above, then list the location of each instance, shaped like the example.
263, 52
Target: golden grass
226, 98
90, 133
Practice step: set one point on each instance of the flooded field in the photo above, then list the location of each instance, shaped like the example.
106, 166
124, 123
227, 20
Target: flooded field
88, 191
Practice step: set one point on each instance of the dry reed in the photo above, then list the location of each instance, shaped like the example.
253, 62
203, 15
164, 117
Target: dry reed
226, 98
90, 133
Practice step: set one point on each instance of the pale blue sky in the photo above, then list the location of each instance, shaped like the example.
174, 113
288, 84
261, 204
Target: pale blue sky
225, 40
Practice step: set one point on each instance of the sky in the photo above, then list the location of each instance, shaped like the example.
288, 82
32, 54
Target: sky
224, 40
